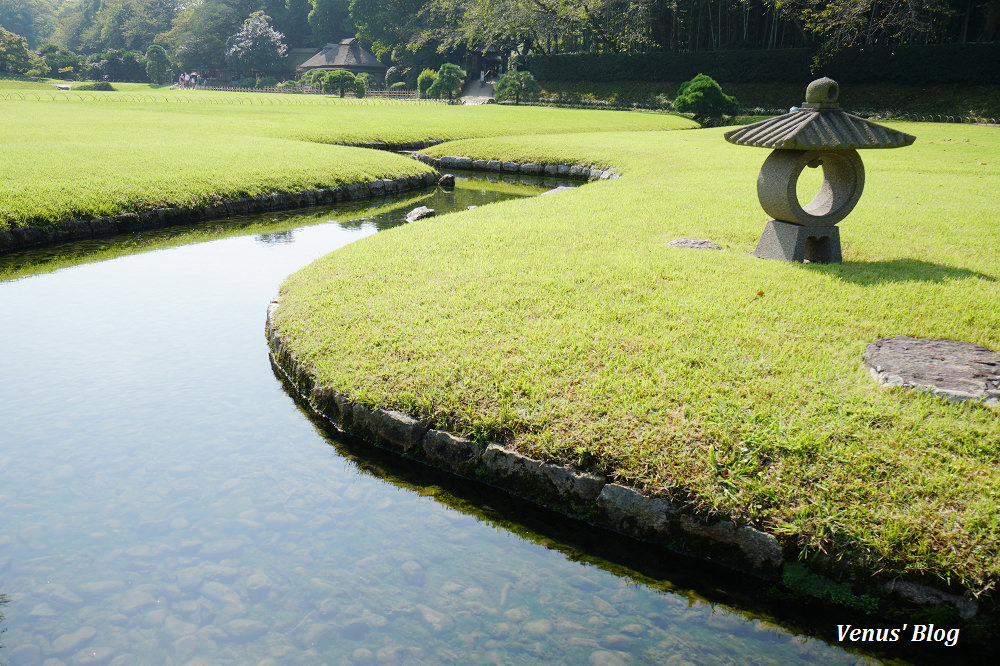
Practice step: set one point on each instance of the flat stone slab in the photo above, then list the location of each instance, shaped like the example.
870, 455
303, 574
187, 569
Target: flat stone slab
694, 244
955, 370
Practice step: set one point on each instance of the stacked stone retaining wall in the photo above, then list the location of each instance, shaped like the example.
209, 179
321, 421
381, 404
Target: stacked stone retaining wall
18, 238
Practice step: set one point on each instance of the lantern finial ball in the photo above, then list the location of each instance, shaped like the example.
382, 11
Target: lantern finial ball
822, 91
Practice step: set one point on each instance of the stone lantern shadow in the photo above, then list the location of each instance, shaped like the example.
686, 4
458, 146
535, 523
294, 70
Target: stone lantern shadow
817, 135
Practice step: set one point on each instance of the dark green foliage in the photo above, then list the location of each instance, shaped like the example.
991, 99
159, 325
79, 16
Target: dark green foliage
339, 81
256, 47
156, 64
796, 577
314, 77
99, 85
32, 19
448, 84
330, 20
919, 63
16, 58
361, 83
288, 85
116, 65
703, 98
248, 82
425, 81
517, 86
266, 82
393, 75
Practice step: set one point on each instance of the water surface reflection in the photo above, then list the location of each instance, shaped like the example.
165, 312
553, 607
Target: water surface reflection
163, 501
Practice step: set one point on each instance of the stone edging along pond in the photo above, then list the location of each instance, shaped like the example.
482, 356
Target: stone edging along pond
526, 168
18, 238
600, 501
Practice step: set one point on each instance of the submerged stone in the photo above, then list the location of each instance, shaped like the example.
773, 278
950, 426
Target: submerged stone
420, 213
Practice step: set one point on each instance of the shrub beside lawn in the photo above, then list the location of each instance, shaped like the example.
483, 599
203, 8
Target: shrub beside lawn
565, 327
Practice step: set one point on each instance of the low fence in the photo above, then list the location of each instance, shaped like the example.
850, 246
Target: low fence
309, 90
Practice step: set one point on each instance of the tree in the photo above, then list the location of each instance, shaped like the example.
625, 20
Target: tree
425, 81
361, 84
116, 65
16, 58
63, 64
256, 47
330, 20
450, 79
198, 36
339, 80
513, 84
314, 77
32, 19
703, 98
294, 22
156, 64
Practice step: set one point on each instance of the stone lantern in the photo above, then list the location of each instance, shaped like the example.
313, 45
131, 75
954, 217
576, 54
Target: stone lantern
818, 134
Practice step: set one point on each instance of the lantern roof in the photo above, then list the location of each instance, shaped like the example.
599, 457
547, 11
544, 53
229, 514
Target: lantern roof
819, 124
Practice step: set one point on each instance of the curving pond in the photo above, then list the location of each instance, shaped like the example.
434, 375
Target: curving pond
164, 499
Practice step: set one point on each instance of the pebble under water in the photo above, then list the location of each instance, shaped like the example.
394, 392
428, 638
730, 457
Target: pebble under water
164, 500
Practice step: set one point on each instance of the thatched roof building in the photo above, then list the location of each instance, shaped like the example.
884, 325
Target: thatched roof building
347, 55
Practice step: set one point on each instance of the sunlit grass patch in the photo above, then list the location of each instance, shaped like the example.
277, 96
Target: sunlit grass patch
566, 327
84, 156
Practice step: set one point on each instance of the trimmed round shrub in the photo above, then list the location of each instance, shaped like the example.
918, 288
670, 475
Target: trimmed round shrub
703, 98
266, 82
516, 86
425, 80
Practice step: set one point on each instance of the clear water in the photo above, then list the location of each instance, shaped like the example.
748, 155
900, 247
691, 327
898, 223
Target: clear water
163, 500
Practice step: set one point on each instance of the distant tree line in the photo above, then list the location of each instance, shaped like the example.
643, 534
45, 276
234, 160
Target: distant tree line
112, 37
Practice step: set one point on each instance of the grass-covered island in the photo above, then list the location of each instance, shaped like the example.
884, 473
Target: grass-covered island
69, 156
565, 328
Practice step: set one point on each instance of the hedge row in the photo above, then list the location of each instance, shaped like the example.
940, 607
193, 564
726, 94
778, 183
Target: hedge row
924, 63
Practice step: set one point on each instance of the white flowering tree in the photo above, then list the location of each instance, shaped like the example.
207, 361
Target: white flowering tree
256, 48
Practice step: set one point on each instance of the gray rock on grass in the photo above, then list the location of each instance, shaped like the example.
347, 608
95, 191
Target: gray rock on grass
694, 244
954, 370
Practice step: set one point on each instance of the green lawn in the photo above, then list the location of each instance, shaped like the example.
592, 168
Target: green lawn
92, 154
566, 327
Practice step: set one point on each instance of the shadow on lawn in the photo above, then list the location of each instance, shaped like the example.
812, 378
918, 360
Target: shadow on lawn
896, 270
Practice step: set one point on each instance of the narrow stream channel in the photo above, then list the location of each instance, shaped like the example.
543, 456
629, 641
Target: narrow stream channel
163, 499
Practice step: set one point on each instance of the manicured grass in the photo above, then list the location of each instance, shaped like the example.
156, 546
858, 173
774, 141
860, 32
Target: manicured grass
76, 159
566, 327
348, 215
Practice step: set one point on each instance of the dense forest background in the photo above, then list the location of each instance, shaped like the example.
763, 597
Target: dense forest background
75, 36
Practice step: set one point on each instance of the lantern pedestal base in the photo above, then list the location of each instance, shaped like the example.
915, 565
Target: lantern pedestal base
797, 242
